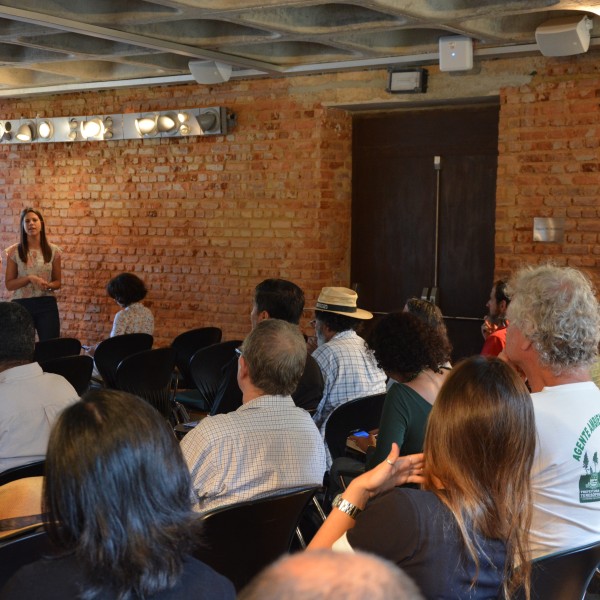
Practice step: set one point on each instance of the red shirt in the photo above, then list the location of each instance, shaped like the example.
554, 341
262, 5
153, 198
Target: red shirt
495, 343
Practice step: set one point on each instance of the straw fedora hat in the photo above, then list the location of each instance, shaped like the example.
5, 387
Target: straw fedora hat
341, 301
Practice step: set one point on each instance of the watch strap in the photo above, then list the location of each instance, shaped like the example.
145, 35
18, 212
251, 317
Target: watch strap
346, 507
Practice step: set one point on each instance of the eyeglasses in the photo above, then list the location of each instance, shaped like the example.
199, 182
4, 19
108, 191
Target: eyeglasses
239, 352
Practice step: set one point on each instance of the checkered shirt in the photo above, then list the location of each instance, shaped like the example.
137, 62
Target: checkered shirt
266, 446
350, 371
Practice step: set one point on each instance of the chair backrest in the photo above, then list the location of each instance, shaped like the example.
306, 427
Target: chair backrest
34, 469
362, 413
563, 575
21, 550
56, 348
112, 351
239, 540
206, 367
77, 370
149, 374
186, 344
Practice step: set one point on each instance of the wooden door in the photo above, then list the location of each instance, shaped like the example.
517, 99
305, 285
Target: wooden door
394, 205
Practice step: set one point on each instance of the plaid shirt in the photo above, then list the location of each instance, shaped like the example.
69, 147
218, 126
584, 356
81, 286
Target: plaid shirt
350, 371
266, 446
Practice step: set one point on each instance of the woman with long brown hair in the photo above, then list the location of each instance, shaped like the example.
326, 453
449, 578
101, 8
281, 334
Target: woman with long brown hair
462, 534
33, 273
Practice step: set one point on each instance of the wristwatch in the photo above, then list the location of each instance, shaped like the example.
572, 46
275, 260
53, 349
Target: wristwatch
346, 507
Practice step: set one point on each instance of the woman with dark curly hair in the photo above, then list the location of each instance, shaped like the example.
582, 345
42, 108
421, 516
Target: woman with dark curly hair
414, 355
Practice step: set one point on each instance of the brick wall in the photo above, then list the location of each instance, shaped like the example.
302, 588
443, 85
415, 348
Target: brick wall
549, 165
201, 220
204, 220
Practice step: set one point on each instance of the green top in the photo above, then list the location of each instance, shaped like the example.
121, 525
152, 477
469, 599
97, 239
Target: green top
403, 420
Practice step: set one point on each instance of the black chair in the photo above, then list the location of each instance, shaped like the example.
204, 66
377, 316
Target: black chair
149, 375
186, 344
21, 550
206, 368
77, 370
359, 414
563, 575
112, 351
56, 348
34, 469
239, 540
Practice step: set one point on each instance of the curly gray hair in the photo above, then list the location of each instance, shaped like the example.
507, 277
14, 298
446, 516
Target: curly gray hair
556, 309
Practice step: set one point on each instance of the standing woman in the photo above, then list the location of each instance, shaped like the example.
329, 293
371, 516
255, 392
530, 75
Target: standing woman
33, 273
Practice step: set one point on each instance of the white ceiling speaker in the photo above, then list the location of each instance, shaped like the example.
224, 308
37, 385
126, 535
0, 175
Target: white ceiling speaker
564, 36
210, 71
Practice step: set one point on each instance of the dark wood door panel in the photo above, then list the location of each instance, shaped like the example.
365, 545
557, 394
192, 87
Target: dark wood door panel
394, 207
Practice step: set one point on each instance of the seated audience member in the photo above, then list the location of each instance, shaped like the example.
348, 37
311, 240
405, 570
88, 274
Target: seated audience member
460, 535
326, 575
117, 498
553, 335
494, 324
348, 366
412, 354
273, 299
30, 400
128, 291
266, 446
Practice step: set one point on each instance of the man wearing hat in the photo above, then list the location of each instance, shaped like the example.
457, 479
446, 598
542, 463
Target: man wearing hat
349, 368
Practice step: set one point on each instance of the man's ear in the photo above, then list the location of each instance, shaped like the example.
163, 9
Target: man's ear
242, 368
502, 306
262, 315
526, 344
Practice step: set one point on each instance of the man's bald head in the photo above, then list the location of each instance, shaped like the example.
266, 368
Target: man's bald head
327, 575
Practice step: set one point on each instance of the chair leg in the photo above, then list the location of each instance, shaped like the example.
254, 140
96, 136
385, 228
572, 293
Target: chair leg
300, 538
179, 414
319, 508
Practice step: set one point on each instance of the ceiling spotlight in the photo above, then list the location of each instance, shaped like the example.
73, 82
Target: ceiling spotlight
167, 123
209, 120
184, 129
146, 125
5, 128
94, 128
26, 132
45, 130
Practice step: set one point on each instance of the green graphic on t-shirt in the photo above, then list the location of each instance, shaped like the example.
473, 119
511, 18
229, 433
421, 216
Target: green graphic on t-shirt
589, 484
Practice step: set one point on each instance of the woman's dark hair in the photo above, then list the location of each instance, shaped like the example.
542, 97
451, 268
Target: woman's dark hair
404, 345
336, 322
429, 313
23, 247
480, 443
126, 289
117, 494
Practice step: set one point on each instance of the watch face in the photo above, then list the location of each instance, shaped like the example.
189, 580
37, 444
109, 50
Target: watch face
337, 500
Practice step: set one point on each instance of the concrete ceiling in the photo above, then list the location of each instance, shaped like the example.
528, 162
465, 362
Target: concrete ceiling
63, 45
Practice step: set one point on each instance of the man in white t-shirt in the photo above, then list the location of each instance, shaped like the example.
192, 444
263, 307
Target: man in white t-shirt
30, 400
553, 336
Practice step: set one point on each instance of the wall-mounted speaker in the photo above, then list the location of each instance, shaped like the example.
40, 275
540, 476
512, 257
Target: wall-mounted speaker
210, 71
564, 36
